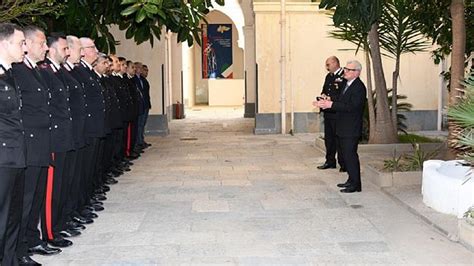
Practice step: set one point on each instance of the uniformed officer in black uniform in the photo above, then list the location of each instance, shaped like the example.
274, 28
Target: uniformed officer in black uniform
78, 112
130, 79
95, 123
62, 140
36, 120
12, 145
112, 118
333, 85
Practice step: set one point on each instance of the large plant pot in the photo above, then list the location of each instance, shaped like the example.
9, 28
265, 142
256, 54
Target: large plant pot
447, 186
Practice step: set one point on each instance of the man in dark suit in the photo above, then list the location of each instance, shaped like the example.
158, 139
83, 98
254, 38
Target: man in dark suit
349, 107
12, 145
36, 119
333, 85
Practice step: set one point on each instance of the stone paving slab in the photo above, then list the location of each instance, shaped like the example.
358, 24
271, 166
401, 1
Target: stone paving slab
233, 198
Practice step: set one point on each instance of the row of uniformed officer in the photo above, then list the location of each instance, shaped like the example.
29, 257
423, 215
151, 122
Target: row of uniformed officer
65, 132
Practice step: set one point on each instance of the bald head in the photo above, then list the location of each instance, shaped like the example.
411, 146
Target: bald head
332, 64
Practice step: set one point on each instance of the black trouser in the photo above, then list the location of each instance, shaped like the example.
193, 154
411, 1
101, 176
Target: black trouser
351, 159
56, 193
72, 198
91, 155
33, 202
11, 201
134, 130
99, 166
108, 158
331, 142
116, 150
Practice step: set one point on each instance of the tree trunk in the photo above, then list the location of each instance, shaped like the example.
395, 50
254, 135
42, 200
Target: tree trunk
370, 97
384, 132
395, 75
457, 57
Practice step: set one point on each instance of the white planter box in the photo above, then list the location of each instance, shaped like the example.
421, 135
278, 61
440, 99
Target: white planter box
446, 187
389, 179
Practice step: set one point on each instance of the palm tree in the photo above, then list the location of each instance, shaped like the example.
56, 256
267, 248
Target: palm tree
462, 116
399, 33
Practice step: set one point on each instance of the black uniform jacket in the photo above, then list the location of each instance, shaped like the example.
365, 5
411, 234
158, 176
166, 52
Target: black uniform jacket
12, 145
123, 93
334, 84
78, 107
136, 96
349, 109
95, 103
35, 113
62, 139
113, 115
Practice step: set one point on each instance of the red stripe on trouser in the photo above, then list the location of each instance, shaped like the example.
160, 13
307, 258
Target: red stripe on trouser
129, 138
49, 200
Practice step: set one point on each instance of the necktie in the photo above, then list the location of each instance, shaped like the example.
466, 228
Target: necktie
345, 89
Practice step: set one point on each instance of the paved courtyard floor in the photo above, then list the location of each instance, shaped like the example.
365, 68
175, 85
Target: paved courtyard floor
212, 193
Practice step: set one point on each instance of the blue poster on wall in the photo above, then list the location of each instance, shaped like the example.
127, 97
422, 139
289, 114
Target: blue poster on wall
217, 51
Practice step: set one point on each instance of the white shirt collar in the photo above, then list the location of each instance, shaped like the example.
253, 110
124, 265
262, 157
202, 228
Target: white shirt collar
30, 62
87, 64
5, 65
71, 65
338, 71
56, 65
349, 82
100, 75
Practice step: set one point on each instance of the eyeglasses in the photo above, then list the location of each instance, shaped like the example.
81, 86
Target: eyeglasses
350, 69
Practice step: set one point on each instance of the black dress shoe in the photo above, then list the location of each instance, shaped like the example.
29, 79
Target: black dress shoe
60, 242
75, 226
87, 214
105, 188
82, 220
347, 184
44, 250
69, 233
26, 260
94, 201
111, 181
351, 189
342, 170
98, 198
98, 208
326, 166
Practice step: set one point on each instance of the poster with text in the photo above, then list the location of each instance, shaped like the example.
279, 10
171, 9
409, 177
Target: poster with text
217, 51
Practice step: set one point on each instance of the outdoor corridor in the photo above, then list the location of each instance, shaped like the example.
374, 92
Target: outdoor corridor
213, 193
